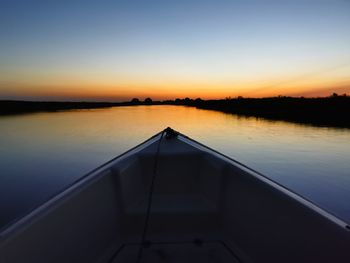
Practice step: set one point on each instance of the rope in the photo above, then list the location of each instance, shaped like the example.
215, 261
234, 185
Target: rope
150, 198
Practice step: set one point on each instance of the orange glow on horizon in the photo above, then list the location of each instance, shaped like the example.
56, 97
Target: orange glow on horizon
107, 87
114, 93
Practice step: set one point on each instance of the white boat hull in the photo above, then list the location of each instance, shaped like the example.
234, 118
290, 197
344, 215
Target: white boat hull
204, 207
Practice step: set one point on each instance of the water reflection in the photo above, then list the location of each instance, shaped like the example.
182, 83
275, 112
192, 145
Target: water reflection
41, 153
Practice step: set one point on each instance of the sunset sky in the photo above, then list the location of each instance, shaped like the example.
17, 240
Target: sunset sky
116, 50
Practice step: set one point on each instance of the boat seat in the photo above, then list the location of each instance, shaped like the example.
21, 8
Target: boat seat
175, 203
172, 213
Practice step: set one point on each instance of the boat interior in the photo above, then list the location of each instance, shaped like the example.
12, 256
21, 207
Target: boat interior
174, 200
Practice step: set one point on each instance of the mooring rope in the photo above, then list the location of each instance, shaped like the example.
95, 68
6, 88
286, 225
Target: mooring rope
150, 198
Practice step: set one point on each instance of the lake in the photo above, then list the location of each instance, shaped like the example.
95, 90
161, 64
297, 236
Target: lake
42, 153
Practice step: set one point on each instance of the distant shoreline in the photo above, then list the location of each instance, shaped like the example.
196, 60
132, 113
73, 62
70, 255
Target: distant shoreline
331, 111
12, 107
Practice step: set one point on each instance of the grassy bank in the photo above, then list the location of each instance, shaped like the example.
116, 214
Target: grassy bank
329, 111
8, 107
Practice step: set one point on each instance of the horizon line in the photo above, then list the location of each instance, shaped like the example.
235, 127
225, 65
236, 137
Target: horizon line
174, 99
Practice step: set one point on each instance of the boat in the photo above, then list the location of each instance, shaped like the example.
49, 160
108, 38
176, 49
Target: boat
172, 199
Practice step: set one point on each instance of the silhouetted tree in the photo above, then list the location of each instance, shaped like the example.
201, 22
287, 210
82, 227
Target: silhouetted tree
135, 100
148, 101
198, 102
187, 100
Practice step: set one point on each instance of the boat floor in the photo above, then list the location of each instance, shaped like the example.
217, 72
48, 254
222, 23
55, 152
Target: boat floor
176, 252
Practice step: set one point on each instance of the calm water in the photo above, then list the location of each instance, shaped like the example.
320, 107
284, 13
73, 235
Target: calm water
42, 153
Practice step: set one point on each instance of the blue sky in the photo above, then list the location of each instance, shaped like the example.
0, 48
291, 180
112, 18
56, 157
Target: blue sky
119, 49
